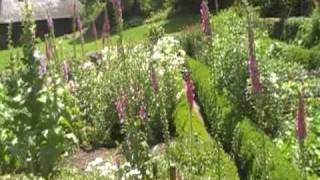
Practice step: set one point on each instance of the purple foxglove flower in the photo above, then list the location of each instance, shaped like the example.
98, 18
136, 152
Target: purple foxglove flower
252, 62
49, 50
189, 89
106, 26
94, 30
65, 68
50, 24
121, 108
205, 18
300, 120
79, 23
143, 113
154, 81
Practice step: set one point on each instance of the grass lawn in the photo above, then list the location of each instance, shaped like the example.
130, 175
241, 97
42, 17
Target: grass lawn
130, 36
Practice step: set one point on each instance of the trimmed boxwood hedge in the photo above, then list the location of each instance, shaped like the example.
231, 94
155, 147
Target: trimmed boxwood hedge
227, 119
309, 58
246, 143
249, 149
182, 123
284, 29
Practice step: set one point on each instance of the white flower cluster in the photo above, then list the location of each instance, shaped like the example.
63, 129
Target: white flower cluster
167, 53
112, 171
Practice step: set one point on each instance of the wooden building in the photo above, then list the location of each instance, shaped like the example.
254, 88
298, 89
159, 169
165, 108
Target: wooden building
61, 12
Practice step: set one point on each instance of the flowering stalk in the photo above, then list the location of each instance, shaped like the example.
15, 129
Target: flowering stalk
74, 27
143, 114
189, 89
252, 62
301, 130
65, 68
257, 88
50, 24
105, 28
79, 23
121, 104
49, 50
205, 18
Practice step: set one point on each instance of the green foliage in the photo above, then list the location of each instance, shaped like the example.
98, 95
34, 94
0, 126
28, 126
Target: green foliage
135, 146
208, 160
226, 120
309, 58
308, 35
249, 152
192, 41
281, 8
285, 29
129, 76
38, 130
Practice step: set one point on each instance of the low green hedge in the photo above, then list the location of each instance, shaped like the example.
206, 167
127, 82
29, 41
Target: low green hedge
309, 58
283, 29
249, 149
225, 122
205, 159
248, 139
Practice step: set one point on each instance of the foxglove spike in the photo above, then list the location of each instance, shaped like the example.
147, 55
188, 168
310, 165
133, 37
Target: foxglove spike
300, 120
252, 63
143, 113
79, 23
49, 50
121, 108
50, 24
189, 89
205, 18
65, 71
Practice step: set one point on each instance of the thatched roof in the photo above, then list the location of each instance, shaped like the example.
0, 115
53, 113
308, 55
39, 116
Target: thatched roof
12, 10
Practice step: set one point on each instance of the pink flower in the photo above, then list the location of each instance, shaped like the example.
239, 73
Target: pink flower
143, 113
49, 50
121, 107
300, 120
189, 89
65, 68
252, 62
106, 26
79, 23
205, 18
50, 24
94, 30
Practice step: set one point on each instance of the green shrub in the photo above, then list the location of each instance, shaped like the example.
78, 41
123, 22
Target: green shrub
310, 59
249, 152
205, 160
309, 32
227, 119
284, 29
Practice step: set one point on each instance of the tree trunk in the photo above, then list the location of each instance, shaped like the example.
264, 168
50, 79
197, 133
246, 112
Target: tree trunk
216, 4
316, 3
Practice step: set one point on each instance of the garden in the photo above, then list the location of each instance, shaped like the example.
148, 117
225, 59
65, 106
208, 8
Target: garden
168, 89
